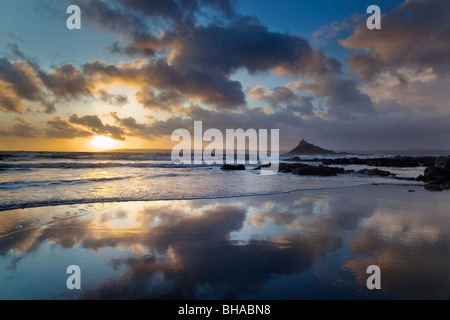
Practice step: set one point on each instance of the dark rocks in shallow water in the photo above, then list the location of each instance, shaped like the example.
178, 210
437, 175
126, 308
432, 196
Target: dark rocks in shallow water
375, 172
344, 161
317, 171
434, 186
307, 170
397, 162
420, 178
231, 167
437, 176
401, 162
443, 163
290, 167
263, 166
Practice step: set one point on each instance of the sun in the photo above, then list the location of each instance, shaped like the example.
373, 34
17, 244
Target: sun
103, 143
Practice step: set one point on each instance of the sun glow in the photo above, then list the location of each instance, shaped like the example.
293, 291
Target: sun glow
103, 143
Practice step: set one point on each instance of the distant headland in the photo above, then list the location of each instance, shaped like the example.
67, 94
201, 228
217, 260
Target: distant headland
306, 148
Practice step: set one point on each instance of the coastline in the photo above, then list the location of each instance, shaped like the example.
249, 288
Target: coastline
239, 248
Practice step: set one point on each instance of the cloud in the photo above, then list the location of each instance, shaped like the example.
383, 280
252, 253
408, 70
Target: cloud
274, 97
17, 82
343, 99
280, 97
141, 18
61, 129
415, 34
197, 60
49, 106
212, 90
67, 82
118, 100
96, 126
9, 101
334, 28
165, 100
21, 128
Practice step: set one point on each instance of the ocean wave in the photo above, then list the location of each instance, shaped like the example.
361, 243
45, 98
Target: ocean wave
108, 156
61, 202
94, 165
13, 185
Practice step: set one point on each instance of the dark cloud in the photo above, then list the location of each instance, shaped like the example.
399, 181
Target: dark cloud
165, 100
116, 48
248, 44
342, 97
201, 58
67, 82
96, 126
274, 97
17, 82
214, 90
21, 128
415, 34
49, 106
9, 101
283, 97
142, 18
61, 129
118, 100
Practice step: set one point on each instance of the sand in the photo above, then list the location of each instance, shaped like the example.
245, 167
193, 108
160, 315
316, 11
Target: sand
302, 245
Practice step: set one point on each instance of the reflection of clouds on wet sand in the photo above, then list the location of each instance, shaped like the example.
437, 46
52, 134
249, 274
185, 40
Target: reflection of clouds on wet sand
233, 247
410, 246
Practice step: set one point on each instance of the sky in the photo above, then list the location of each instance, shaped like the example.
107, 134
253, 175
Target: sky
138, 70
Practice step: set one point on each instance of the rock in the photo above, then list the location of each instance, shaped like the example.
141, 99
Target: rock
263, 166
349, 171
289, 167
375, 172
318, 171
443, 163
420, 178
435, 174
309, 148
345, 161
294, 159
399, 162
402, 162
434, 186
230, 167
411, 190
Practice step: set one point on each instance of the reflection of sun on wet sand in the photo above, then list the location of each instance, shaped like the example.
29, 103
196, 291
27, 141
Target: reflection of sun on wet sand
301, 245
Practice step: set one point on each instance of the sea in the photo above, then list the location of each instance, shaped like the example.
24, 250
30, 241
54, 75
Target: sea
36, 179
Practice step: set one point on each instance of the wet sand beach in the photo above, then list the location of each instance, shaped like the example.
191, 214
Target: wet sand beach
312, 244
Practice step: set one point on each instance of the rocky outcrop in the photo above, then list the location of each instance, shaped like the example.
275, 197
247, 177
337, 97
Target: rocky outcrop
318, 171
309, 149
437, 176
231, 167
376, 172
397, 162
